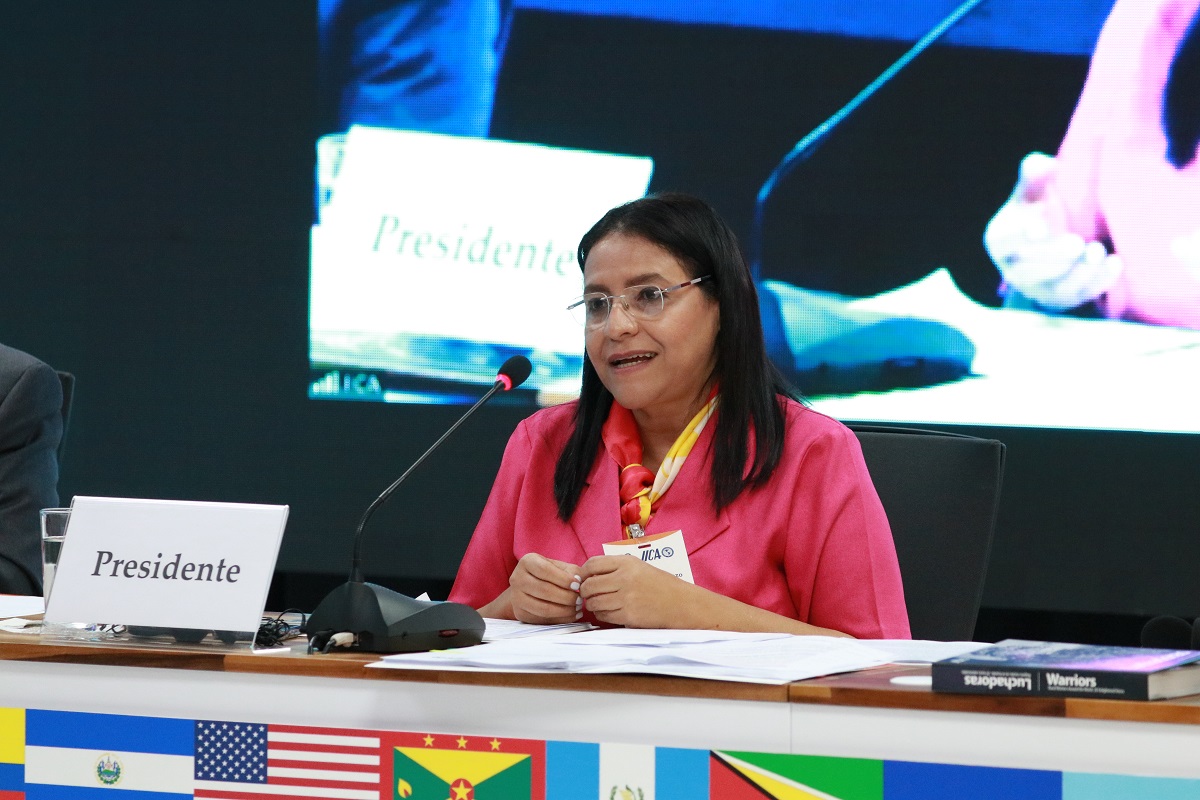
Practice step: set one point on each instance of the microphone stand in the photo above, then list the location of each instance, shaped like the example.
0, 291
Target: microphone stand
809, 144
356, 574
373, 618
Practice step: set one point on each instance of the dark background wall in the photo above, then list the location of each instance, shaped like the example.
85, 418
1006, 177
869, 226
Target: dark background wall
157, 162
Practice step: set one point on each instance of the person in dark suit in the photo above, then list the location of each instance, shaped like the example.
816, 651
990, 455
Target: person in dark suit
31, 428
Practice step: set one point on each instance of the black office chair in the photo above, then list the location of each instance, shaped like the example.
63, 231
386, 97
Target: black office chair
68, 391
941, 492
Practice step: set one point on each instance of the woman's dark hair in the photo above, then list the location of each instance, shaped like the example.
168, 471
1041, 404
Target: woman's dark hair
1181, 99
690, 230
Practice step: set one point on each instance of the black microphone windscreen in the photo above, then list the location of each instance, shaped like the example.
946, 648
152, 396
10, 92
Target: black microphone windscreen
1168, 633
517, 370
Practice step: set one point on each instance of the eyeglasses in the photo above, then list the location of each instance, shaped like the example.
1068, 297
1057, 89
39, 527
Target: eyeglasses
640, 302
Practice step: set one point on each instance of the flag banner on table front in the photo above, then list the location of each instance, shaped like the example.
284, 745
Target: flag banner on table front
243, 761
680, 774
572, 770
12, 753
584, 771
438, 766
754, 776
1086, 786
627, 772
906, 780
101, 752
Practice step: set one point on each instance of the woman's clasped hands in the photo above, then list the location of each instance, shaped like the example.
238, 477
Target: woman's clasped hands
624, 590
619, 590
544, 591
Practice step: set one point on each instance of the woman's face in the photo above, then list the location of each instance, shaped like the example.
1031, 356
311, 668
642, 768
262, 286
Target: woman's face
661, 365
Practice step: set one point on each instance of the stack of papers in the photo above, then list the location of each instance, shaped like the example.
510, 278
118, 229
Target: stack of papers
769, 658
14, 609
498, 629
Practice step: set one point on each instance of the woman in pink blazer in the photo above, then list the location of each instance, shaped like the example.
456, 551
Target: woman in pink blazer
682, 425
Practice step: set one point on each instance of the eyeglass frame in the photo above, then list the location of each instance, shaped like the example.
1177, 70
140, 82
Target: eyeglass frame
609, 298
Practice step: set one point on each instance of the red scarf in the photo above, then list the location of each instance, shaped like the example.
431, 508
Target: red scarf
640, 490
624, 444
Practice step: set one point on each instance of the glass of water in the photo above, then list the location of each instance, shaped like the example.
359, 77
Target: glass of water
54, 531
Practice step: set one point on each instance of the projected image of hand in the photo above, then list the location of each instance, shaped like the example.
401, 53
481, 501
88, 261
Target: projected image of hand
1036, 255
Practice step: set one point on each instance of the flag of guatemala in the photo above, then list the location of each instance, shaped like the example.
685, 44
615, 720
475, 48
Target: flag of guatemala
84, 756
580, 771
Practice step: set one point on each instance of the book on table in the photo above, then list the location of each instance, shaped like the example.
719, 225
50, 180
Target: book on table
1056, 669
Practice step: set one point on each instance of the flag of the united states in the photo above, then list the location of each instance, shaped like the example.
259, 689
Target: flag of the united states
245, 761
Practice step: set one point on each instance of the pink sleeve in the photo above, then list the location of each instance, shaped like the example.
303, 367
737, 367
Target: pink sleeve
489, 560
856, 585
1124, 85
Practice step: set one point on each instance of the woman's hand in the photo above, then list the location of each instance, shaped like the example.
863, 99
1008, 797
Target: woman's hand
1053, 267
623, 590
544, 591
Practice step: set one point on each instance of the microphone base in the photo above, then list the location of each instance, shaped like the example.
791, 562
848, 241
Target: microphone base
383, 621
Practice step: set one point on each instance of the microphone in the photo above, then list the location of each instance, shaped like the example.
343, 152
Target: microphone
804, 148
375, 619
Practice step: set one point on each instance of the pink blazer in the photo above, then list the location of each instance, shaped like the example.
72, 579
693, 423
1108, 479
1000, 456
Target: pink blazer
813, 544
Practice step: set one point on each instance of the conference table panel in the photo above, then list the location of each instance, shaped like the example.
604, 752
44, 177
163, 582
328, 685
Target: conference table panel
866, 715
341, 691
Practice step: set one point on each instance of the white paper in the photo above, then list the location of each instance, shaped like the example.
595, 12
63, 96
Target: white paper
923, 651
15, 605
21, 625
498, 629
658, 637
752, 658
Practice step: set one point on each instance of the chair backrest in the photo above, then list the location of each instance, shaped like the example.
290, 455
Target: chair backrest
941, 492
68, 391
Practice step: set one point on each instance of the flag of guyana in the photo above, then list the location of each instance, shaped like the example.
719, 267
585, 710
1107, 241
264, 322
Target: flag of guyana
439, 766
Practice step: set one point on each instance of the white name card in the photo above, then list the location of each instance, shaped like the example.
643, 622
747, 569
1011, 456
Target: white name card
666, 551
166, 563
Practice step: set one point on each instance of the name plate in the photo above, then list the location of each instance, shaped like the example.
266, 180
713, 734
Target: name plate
166, 563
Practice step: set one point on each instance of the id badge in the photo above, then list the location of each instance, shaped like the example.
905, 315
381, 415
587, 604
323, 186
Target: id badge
663, 550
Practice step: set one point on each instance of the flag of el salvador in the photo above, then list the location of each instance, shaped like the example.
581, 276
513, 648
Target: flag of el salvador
84, 756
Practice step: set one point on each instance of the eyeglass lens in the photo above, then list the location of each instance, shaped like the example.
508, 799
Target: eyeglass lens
641, 301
